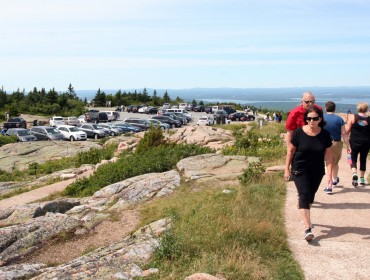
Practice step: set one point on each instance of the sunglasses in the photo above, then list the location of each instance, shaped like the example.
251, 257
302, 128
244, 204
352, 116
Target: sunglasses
309, 101
312, 119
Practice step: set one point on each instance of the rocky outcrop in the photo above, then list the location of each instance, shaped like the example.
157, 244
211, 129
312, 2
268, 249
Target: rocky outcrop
20, 155
120, 260
214, 166
212, 137
28, 226
20, 240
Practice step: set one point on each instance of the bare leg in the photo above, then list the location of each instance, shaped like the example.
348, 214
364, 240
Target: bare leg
305, 214
335, 172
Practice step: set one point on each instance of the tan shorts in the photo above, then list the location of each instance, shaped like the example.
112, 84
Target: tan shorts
336, 150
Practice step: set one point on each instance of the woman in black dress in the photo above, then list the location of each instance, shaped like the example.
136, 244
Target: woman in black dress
307, 154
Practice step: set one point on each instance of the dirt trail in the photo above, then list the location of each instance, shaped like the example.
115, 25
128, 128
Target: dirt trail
341, 248
39, 193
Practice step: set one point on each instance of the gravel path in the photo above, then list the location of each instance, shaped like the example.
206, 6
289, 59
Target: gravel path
341, 248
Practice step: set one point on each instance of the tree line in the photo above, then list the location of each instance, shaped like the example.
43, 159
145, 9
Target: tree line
52, 102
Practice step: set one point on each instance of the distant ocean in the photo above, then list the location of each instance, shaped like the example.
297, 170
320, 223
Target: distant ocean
273, 99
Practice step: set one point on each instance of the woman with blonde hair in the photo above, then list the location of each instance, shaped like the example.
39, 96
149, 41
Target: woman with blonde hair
358, 126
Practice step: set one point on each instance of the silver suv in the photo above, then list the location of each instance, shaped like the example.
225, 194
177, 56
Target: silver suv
46, 133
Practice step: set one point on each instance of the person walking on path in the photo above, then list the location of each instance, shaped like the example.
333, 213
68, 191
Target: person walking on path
358, 126
336, 127
296, 116
307, 151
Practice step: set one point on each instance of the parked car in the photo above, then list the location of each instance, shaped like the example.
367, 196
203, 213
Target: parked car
110, 115
133, 108
92, 130
199, 108
113, 131
142, 110
22, 134
56, 120
71, 121
163, 126
166, 106
126, 127
144, 124
228, 110
208, 110
46, 133
248, 118
72, 133
151, 110
15, 123
236, 116
206, 120
179, 118
103, 117
92, 116
167, 119
183, 106
82, 119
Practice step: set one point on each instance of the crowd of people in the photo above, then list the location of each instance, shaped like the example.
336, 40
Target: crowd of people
314, 149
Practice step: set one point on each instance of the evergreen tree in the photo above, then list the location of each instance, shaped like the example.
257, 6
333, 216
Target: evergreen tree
71, 92
166, 97
155, 98
99, 98
52, 96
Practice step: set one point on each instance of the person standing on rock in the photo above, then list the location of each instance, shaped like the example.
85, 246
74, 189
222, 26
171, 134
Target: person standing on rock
358, 126
307, 153
336, 127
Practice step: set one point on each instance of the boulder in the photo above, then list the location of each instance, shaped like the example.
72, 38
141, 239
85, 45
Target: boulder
20, 155
141, 187
208, 136
19, 240
213, 165
120, 260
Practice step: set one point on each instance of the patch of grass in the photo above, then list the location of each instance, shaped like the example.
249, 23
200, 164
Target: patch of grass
266, 143
240, 235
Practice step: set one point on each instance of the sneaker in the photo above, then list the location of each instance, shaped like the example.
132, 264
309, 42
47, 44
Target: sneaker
335, 182
308, 235
354, 180
362, 182
328, 190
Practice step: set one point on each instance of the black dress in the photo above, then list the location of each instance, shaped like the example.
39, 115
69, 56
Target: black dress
308, 165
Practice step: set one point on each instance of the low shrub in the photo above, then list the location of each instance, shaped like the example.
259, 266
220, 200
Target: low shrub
156, 159
7, 139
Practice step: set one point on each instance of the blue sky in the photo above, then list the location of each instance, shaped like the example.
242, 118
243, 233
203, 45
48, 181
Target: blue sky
176, 44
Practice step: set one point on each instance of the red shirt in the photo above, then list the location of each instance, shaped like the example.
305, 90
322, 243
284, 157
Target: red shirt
296, 118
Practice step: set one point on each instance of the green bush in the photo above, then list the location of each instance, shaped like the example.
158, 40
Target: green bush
153, 137
7, 139
95, 155
156, 159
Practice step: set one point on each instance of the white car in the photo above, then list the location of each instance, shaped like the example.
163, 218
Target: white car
142, 110
56, 120
72, 133
206, 120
